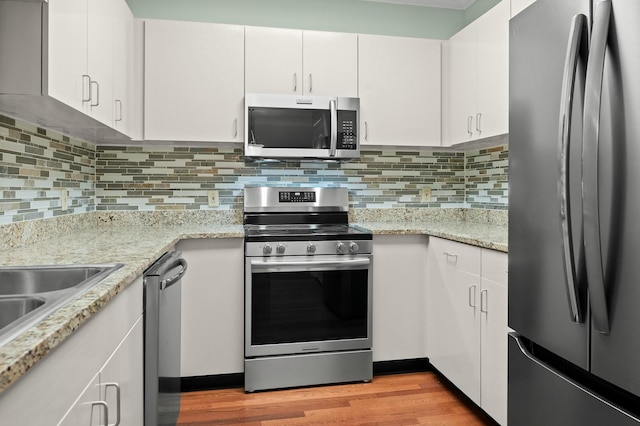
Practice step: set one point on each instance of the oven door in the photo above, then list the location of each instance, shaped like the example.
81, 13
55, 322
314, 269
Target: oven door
297, 304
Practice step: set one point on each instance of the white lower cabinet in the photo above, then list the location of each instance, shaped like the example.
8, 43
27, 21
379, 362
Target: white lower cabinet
62, 387
399, 284
467, 321
115, 395
212, 307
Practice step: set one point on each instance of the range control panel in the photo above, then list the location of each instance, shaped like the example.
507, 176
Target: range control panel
297, 197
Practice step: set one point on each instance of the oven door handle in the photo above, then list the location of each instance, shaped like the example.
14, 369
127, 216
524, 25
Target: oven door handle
308, 265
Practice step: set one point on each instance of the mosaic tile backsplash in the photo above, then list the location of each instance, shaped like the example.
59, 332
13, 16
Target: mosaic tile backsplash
36, 163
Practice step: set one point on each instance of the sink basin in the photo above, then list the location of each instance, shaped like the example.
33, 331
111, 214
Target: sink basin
29, 294
44, 279
13, 308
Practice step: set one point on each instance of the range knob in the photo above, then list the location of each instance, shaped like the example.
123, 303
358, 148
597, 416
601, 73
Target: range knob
341, 247
353, 247
311, 248
266, 249
280, 248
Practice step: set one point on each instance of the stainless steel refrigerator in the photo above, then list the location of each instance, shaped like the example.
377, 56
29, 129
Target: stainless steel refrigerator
574, 213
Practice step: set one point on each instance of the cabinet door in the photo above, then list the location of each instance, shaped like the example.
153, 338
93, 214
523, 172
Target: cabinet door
493, 352
492, 116
493, 318
453, 312
399, 87
88, 410
518, 6
194, 85
100, 19
399, 276
121, 380
122, 54
330, 64
67, 55
273, 58
460, 89
213, 307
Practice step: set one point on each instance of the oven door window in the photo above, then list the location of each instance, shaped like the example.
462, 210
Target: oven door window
290, 128
290, 307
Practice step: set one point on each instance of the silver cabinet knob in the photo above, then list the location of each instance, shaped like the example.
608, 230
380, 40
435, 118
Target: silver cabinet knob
267, 249
311, 248
280, 248
353, 247
341, 247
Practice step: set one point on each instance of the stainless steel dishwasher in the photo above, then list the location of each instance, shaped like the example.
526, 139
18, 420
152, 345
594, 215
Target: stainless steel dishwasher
162, 300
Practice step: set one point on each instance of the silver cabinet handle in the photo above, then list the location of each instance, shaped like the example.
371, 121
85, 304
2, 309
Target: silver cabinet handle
97, 93
118, 110
469, 120
334, 127
576, 44
295, 82
105, 407
235, 127
117, 388
366, 131
484, 301
472, 296
310, 83
590, 196
86, 78
446, 253
479, 122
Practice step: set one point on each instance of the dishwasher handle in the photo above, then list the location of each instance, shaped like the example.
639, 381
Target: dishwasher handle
168, 282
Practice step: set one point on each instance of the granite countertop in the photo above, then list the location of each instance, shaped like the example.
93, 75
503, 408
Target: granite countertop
477, 234
137, 246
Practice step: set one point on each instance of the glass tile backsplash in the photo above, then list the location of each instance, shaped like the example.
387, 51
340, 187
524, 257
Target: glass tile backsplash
37, 164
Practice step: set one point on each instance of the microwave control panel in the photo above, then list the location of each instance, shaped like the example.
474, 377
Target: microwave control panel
347, 130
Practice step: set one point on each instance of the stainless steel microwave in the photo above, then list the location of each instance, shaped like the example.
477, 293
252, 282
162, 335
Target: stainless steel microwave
301, 127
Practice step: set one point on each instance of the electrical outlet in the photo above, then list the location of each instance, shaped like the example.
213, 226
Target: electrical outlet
213, 198
426, 195
64, 199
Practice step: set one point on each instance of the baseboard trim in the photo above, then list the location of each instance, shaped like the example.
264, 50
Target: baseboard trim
236, 380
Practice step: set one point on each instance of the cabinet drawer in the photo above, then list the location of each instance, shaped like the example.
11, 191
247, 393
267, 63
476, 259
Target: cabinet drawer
494, 266
461, 256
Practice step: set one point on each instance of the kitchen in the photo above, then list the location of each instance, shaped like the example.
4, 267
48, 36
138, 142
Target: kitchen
189, 195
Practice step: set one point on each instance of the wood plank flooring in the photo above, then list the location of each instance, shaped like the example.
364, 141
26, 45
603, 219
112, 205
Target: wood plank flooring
400, 399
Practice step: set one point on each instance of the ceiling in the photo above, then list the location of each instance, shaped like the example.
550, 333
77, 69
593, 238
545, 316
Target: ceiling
447, 4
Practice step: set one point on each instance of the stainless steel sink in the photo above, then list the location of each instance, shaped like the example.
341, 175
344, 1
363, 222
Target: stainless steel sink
29, 294
44, 279
13, 308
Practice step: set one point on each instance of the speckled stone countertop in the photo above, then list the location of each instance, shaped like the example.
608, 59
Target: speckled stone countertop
477, 234
137, 240
137, 247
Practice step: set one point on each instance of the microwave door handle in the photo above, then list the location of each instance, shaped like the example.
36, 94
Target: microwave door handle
334, 127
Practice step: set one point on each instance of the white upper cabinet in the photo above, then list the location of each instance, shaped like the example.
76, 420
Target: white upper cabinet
122, 65
330, 64
67, 53
476, 83
399, 89
286, 61
88, 44
194, 81
518, 6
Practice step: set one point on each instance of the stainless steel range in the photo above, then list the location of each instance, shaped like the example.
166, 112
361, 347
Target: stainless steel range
308, 289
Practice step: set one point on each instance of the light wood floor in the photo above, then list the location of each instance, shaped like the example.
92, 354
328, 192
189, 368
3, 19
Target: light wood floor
402, 399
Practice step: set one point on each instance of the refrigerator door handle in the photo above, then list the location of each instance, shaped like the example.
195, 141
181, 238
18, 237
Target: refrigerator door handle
591, 135
577, 40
